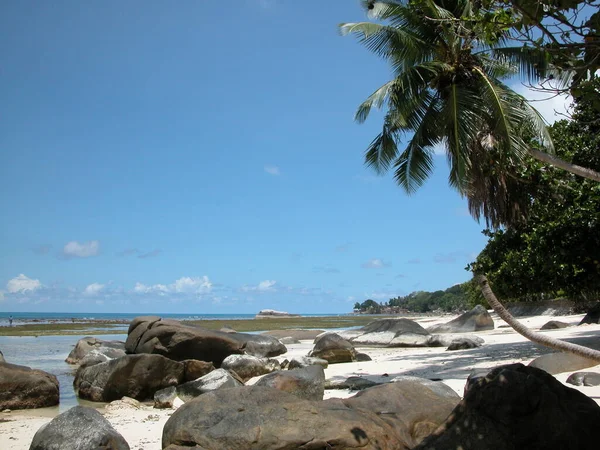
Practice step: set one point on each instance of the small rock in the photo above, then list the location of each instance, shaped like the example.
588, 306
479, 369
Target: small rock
584, 379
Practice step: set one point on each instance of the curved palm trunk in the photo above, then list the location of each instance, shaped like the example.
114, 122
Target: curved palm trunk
538, 338
557, 162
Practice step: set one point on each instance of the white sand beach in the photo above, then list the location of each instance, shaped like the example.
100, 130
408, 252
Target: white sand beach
142, 427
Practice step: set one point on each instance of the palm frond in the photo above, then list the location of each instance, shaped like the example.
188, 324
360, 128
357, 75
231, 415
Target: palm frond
532, 63
383, 150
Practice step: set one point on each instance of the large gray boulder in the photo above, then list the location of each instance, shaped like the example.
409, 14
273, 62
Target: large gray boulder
22, 387
79, 428
215, 380
305, 361
517, 407
100, 350
389, 333
592, 316
260, 345
561, 362
307, 383
584, 379
333, 348
389, 417
248, 366
195, 369
171, 338
478, 319
554, 325
135, 376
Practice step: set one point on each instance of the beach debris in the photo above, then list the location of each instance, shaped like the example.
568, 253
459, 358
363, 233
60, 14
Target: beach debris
136, 376
248, 366
584, 379
515, 406
22, 387
333, 348
216, 380
478, 319
306, 382
80, 427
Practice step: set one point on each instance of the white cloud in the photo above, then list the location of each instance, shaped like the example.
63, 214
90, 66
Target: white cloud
74, 249
272, 170
375, 263
263, 286
552, 107
22, 284
1, 296
93, 289
184, 285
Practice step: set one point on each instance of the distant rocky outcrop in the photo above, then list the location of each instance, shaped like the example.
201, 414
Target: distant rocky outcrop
79, 428
478, 319
171, 338
22, 387
271, 313
518, 407
333, 348
99, 349
135, 376
395, 416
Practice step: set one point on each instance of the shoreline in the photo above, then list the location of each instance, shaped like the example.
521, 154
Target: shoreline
142, 426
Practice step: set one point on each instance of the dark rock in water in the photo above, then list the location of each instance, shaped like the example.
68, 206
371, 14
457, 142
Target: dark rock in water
271, 313
300, 334
215, 380
135, 376
79, 428
554, 363
463, 344
478, 319
170, 338
584, 379
248, 366
333, 348
307, 383
165, 397
389, 333
194, 369
24, 388
227, 329
363, 357
1, 357
554, 325
305, 361
518, 407
102, 350
592, 316
394, 416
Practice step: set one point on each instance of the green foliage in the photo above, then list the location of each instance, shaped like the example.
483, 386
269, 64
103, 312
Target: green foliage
557, 251
369, 306
452, 299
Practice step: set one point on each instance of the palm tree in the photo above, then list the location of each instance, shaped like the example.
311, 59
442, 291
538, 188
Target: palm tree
448, 91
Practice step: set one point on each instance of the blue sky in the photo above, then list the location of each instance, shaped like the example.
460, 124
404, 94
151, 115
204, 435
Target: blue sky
202, 158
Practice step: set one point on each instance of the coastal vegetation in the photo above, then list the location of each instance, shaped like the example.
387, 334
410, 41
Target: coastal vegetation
452, 62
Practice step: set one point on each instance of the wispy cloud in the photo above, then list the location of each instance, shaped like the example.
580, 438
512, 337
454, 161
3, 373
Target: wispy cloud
400, 275
129, 252
93, 289
450, 258
75, 249
272, 170
21, 284
342, 248
183, 285
325, 269
375, 263
415, 261
263, 286
140, 253
154, 253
